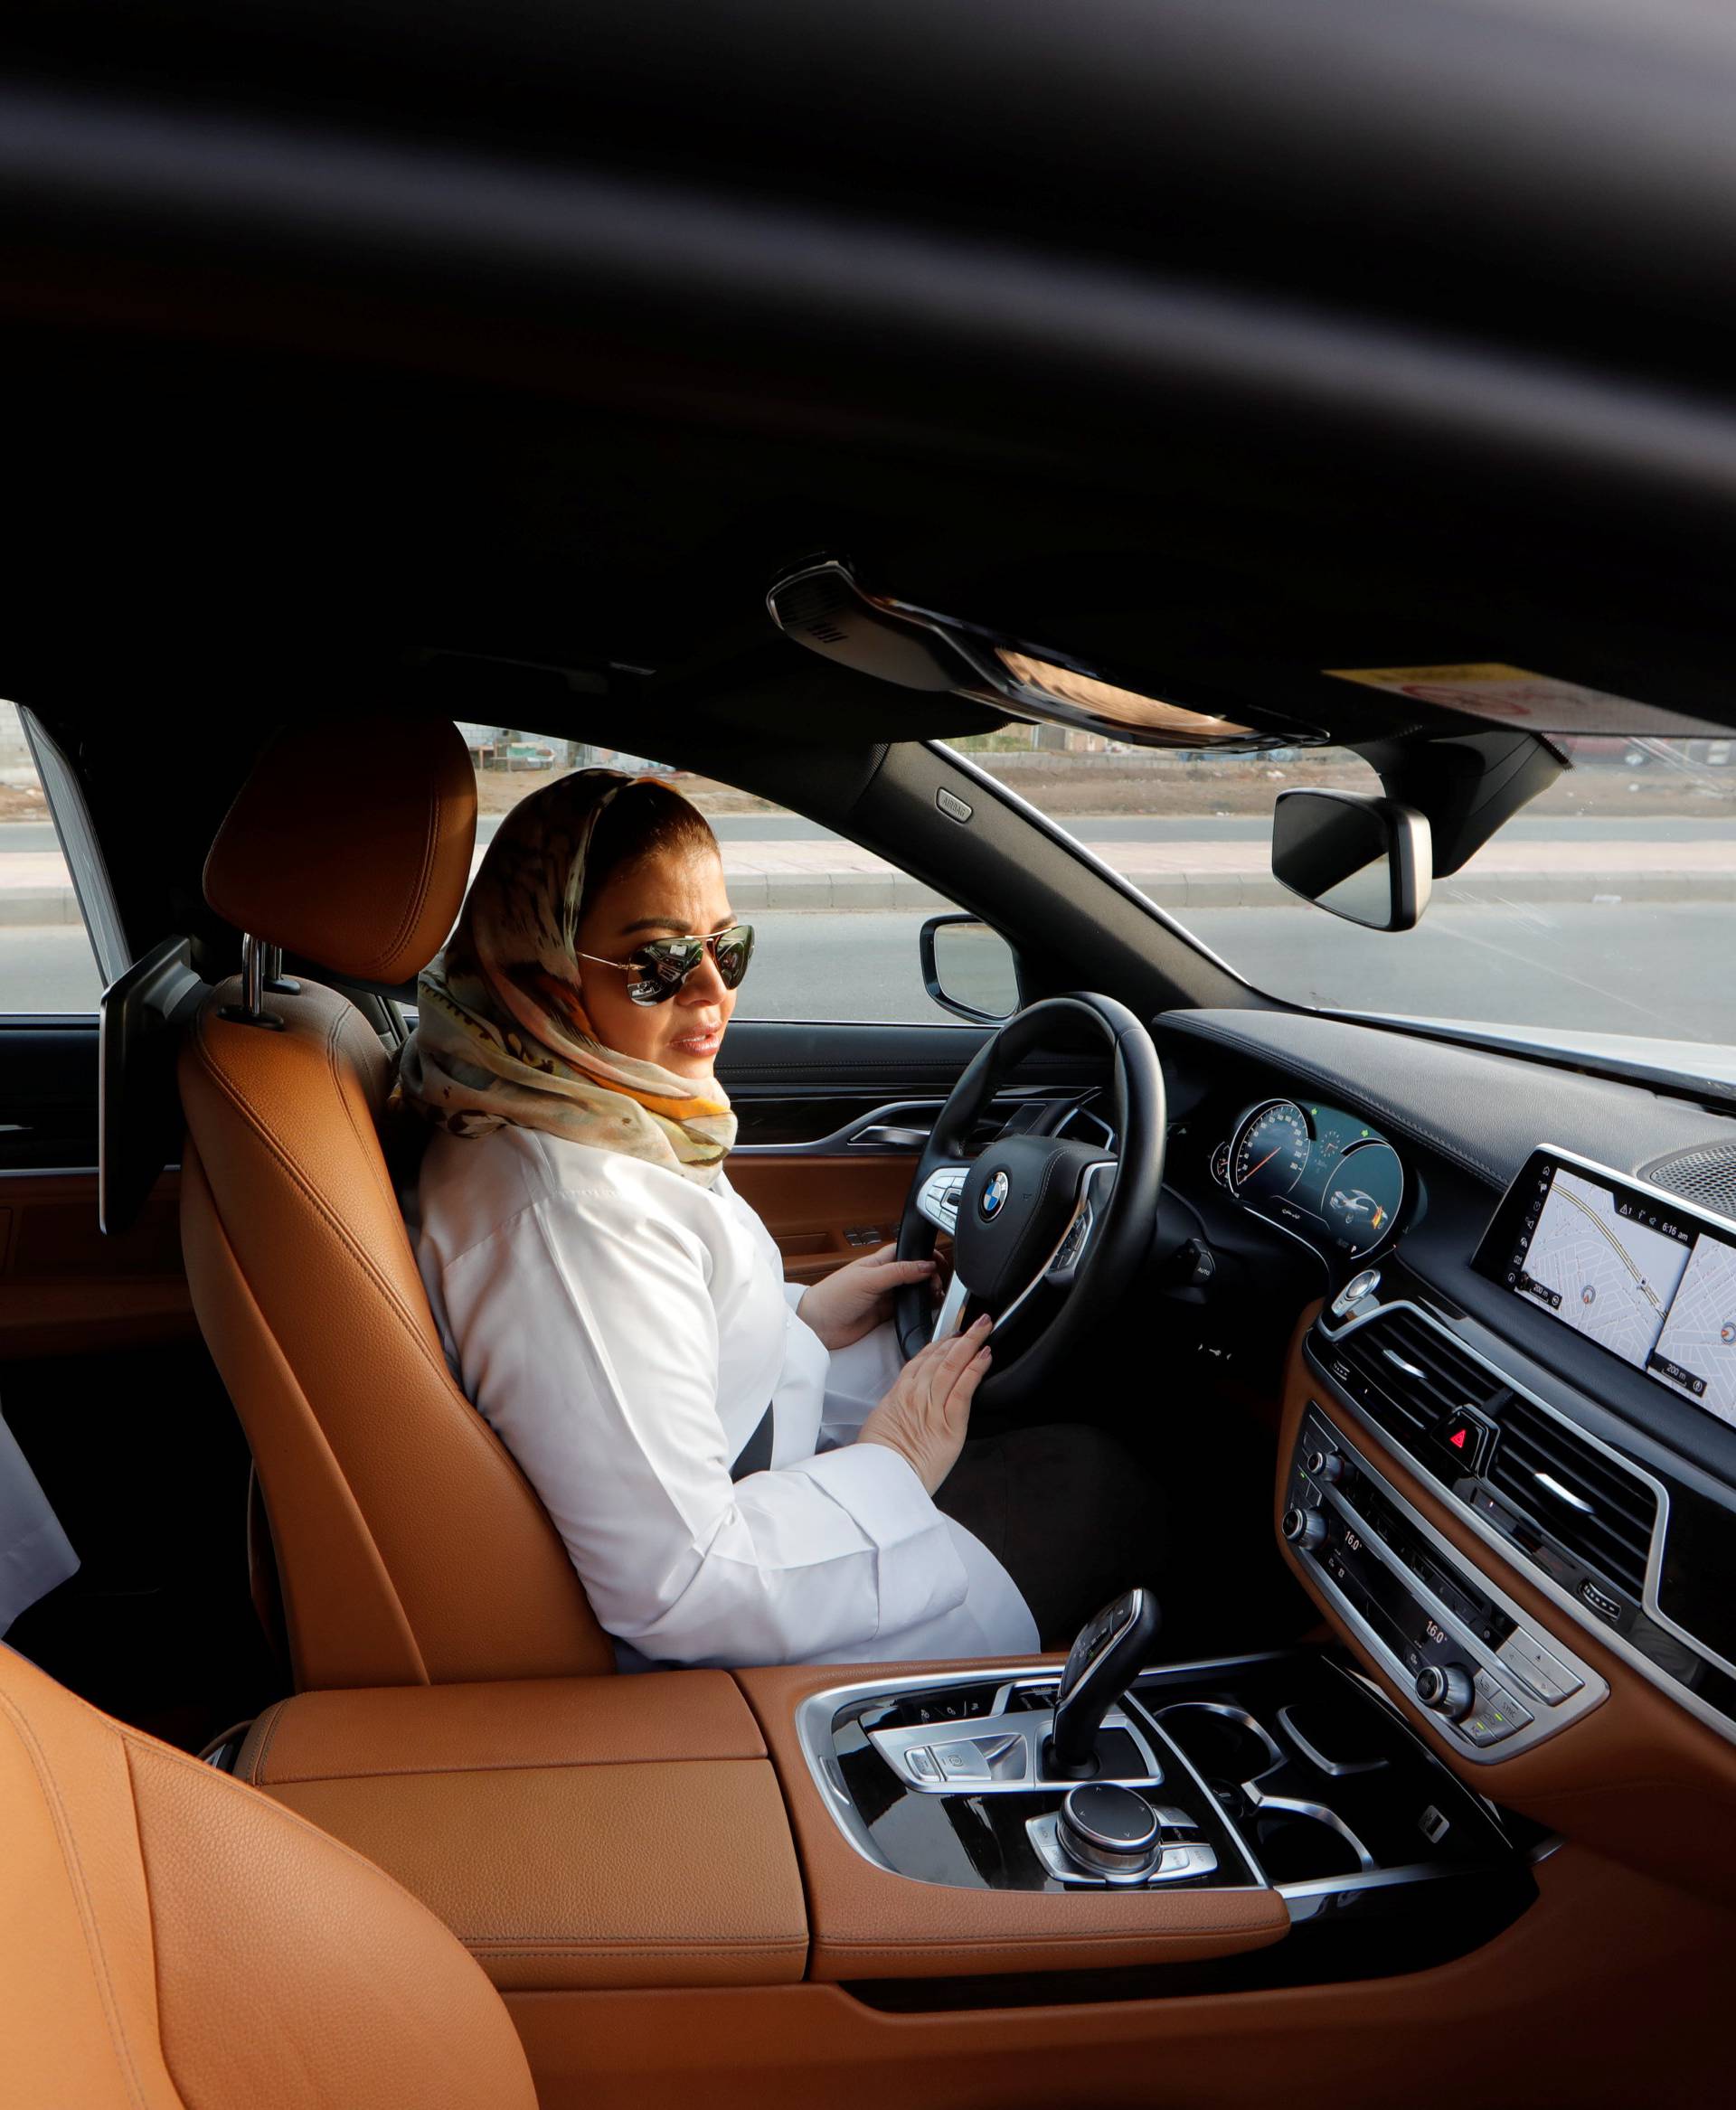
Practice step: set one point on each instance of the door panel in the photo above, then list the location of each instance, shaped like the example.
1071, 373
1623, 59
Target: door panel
831, 1120
106, 1384
68, 1290
824, 1211
48, 1094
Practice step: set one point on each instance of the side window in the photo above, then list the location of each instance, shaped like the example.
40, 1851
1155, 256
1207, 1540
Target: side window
47, 964
836, 927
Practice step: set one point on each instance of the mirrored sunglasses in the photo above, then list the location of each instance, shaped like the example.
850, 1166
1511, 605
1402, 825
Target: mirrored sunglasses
664, 965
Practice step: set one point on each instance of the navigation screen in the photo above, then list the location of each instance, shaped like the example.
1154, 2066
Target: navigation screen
1647, 1284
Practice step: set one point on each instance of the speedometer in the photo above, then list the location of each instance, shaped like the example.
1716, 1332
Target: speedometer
1271, 1151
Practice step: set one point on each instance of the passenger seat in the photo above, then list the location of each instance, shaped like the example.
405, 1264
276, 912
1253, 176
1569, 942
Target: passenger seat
171, 1940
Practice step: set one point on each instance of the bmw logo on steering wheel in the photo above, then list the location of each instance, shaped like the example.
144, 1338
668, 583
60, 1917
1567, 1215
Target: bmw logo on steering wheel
994, 1196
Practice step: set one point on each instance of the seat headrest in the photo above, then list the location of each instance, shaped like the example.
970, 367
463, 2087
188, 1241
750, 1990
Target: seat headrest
350, 844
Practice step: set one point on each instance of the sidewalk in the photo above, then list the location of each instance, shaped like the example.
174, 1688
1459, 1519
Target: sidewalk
34, 888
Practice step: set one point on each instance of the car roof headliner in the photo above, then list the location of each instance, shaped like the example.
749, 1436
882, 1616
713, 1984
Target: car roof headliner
1223, 344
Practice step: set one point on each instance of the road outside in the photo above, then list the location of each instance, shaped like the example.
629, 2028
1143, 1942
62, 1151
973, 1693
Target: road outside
1564, 967
1581, 914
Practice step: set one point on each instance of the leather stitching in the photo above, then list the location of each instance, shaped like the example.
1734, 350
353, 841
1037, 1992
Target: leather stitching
319, 1436
484, 1766
432, 809
256, 1798
581, 1946
275, 1715
87, 1922
602, 1950
977, 1945
369, 1139
471, 1424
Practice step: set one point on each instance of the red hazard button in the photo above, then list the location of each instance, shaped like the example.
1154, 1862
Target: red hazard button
1467, 1435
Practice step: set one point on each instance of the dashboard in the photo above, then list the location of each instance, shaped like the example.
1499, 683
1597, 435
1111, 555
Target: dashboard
1516, 1303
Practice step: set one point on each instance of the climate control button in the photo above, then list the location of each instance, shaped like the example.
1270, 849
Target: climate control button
1304, 1529
1447, 1689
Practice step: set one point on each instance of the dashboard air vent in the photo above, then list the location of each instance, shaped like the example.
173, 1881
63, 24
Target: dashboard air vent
1581, 1497
1706, 1177
1419, 1371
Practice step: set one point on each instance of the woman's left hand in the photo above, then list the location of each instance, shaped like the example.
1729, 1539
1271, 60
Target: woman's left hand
855, 1299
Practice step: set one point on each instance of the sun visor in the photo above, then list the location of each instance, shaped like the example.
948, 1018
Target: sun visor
824, 606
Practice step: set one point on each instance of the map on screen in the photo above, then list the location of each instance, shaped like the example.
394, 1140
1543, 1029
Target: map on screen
1696, 1350
1603, 1274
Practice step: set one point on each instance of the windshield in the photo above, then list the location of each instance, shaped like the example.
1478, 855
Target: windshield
1606, 907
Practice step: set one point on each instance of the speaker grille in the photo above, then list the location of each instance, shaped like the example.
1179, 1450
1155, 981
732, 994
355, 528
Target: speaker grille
1706, 1176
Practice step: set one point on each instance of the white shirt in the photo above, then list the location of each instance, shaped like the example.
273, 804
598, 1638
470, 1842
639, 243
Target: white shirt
624, 1328
34, 1552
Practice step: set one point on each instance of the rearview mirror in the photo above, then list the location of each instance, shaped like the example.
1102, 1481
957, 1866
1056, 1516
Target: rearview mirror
1369, 859
970, 969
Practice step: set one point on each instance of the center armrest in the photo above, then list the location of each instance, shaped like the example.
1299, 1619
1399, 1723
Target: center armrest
574, 1832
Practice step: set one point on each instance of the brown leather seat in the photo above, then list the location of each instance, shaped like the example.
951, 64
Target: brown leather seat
169, 1937
410, 1548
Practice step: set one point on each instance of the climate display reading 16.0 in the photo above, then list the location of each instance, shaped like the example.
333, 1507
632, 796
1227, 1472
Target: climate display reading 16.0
1270, 1153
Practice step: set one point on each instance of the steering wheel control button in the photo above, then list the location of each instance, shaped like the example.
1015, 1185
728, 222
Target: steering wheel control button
1111, 1831
938, 1198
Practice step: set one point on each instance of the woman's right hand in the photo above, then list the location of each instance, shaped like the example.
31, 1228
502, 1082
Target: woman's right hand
925, 1416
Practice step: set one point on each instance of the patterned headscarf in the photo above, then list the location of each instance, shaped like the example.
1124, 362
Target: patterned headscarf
501, 1036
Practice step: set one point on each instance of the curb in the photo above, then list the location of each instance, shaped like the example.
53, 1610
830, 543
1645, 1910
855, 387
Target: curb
38, 905
862, 892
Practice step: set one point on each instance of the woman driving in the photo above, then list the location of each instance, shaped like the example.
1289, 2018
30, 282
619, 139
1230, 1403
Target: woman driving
743, 1471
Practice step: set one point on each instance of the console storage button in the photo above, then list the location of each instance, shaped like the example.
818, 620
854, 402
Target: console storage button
1537, 1670
1496, 1715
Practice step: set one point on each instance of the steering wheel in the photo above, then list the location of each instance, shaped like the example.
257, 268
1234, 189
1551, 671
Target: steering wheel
1033, 1212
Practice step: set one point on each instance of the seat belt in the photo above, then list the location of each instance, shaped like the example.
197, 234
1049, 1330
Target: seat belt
755, 1454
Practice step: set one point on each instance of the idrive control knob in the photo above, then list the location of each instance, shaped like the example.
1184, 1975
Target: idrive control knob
1304, 1529
1447, 1689
1111, 1831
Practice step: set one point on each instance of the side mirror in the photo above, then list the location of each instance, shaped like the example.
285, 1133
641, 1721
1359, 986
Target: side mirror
970, 969
1369, 859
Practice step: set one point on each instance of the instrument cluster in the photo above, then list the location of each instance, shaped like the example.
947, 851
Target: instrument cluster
1319, 1172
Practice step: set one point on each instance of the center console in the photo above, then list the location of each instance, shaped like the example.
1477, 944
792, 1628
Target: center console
1282, 1774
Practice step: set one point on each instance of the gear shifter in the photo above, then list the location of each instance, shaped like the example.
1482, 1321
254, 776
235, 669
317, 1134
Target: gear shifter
1108, 1655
